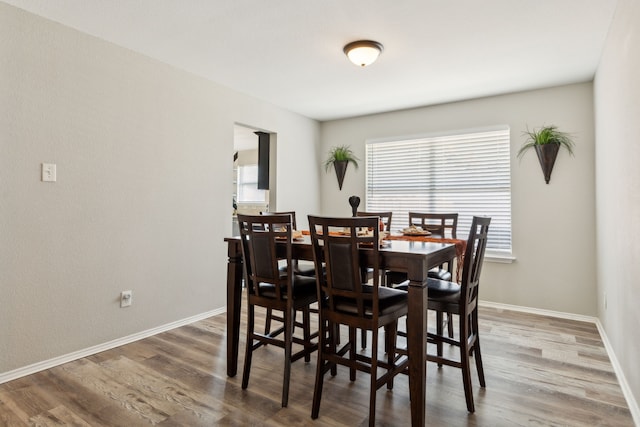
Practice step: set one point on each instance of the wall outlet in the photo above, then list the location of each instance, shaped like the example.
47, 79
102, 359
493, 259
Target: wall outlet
126, 298
49, 172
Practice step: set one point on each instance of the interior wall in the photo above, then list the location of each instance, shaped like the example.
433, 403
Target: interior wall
617, 91
142, 202
552, 225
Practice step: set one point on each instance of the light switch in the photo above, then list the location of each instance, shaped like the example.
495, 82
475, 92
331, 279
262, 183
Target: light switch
49, 172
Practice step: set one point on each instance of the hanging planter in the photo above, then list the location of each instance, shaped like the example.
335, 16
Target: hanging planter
339, 158
547, 142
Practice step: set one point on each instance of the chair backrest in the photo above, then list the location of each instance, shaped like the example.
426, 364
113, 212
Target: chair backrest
292, 213
337, 245
436, 223
472, 265
266, 240
385, 217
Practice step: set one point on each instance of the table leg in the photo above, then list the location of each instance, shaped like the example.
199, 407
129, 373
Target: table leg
234, 294
416, 347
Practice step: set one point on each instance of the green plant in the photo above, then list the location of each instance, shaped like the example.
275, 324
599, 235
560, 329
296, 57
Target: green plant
340, 153
546, 135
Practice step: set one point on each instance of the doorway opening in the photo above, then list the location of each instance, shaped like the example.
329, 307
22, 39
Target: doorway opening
254, 170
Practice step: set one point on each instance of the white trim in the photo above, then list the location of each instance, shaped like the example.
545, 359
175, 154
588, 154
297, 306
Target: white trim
632, 403
500, 259
532, 310
437, 134
626, 390
56, 361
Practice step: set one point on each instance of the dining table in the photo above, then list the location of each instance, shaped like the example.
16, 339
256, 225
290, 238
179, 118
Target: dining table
415, 257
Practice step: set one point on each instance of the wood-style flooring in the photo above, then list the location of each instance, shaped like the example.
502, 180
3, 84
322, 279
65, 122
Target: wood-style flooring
540, 371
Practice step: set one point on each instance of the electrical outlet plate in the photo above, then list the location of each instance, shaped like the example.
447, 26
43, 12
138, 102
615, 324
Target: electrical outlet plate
49, 172
126, 298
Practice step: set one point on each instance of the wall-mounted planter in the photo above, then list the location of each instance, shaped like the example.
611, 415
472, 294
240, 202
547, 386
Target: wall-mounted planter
547, 154
547, 141
341, 169
339, 158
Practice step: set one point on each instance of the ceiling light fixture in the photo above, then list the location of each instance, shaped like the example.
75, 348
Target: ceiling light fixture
363, 52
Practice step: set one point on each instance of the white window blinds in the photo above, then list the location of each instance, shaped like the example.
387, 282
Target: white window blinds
467, 172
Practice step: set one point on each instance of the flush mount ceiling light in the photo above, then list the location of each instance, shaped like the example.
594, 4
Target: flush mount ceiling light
363, 52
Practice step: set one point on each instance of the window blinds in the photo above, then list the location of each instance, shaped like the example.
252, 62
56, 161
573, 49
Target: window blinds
467, 172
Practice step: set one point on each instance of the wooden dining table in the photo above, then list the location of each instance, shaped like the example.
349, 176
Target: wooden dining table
415, 258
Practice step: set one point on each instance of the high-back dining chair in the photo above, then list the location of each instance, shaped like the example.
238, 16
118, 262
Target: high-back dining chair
292, 214
440, 225
461, 300
385, 217
444, 225
266, 245
437, 223
347, 299
303, 268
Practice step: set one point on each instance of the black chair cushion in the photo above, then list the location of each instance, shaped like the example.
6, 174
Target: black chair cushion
440, 274
304, 289
389, 301
396, 277
302, 269
443, 290
439, 290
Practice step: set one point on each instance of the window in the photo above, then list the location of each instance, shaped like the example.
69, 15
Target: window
466, 172
248, 185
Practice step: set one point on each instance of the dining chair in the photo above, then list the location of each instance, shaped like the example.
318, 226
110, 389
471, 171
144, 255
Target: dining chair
304, 269
385, 218
461, 299
301, 268
444, 225
266, 244
347, 299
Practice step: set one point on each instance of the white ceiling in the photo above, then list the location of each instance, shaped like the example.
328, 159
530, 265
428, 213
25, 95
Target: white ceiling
289, 52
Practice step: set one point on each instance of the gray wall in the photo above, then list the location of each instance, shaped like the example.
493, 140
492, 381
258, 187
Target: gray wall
143, 197
553, 225
617, 91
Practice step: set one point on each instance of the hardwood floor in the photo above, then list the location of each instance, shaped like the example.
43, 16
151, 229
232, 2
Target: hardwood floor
539, 371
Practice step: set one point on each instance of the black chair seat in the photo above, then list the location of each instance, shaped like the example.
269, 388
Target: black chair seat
394, 278
443, 290
440, 274
389, 301
304, 288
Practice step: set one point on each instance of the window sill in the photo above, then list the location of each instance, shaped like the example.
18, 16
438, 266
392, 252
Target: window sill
500, 258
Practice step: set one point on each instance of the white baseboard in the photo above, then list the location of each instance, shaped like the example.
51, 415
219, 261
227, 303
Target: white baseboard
624, 385
626, 390
56, 361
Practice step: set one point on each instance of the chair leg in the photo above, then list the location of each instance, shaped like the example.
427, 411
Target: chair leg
352, 352
390, 347
466, 364
374, 378
249, 346
320, 366
267, 322
439, 333
450, 324
363, 338
288, 333
476, 350
306, 330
